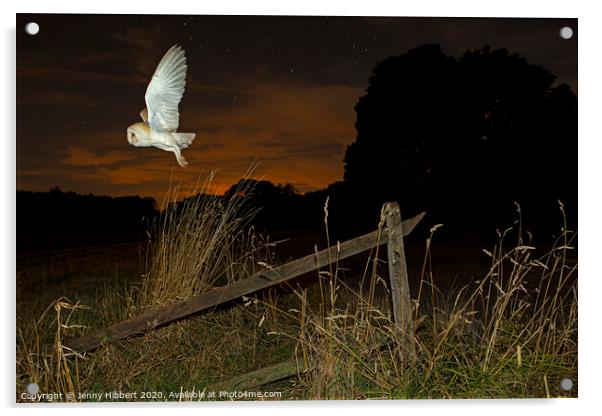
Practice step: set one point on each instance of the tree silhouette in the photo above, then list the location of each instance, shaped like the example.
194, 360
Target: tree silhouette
402, 124
464, 138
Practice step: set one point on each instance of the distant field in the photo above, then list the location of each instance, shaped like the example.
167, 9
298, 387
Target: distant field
77, 274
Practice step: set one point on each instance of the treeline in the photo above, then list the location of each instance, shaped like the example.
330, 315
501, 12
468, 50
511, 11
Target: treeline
353, 211
58, 219
282, 207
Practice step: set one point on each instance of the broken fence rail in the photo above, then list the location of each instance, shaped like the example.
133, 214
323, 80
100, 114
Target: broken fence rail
259, 281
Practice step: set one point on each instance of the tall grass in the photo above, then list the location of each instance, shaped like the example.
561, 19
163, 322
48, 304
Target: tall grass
199, 242
52, 366
513, 333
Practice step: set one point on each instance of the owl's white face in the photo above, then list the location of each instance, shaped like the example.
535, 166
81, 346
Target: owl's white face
137, 135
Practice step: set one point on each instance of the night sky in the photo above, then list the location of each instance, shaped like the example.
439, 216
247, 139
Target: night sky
280, 90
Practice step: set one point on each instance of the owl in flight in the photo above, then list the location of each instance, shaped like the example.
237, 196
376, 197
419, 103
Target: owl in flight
161, 116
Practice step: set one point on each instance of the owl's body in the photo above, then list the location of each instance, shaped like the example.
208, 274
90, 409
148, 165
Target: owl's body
161, 116
141, 135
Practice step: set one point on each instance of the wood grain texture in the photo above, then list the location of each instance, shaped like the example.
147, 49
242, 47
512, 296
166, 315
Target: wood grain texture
262, 376
398, 276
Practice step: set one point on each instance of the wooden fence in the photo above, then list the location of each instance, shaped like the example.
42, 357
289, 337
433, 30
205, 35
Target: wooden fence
392, 235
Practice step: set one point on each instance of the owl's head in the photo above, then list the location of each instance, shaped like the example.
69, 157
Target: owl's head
137, 135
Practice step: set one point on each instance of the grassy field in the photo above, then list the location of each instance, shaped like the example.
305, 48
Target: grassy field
510, 333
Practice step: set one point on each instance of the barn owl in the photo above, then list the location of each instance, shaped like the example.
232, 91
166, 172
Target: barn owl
160, 118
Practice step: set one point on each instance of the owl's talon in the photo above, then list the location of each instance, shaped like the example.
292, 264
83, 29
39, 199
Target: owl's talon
182, 162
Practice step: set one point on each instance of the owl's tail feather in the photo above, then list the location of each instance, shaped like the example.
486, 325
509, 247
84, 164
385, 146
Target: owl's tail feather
184, 139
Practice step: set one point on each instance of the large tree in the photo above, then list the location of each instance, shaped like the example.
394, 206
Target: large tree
464, 138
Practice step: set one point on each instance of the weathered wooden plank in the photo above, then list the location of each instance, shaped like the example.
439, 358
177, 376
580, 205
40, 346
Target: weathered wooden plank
398, 276
212, 298
266, 375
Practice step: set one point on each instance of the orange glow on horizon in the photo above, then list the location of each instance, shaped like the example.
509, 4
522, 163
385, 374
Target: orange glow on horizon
296, 134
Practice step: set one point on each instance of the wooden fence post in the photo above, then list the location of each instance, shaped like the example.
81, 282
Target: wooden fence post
398, 275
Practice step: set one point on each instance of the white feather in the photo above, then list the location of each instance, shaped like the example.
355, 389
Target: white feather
165, 91
160, 118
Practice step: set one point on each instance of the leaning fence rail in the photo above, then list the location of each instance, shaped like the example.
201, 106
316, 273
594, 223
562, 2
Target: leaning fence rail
392, 234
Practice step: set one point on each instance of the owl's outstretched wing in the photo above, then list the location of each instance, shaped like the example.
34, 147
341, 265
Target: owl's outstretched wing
165, 91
